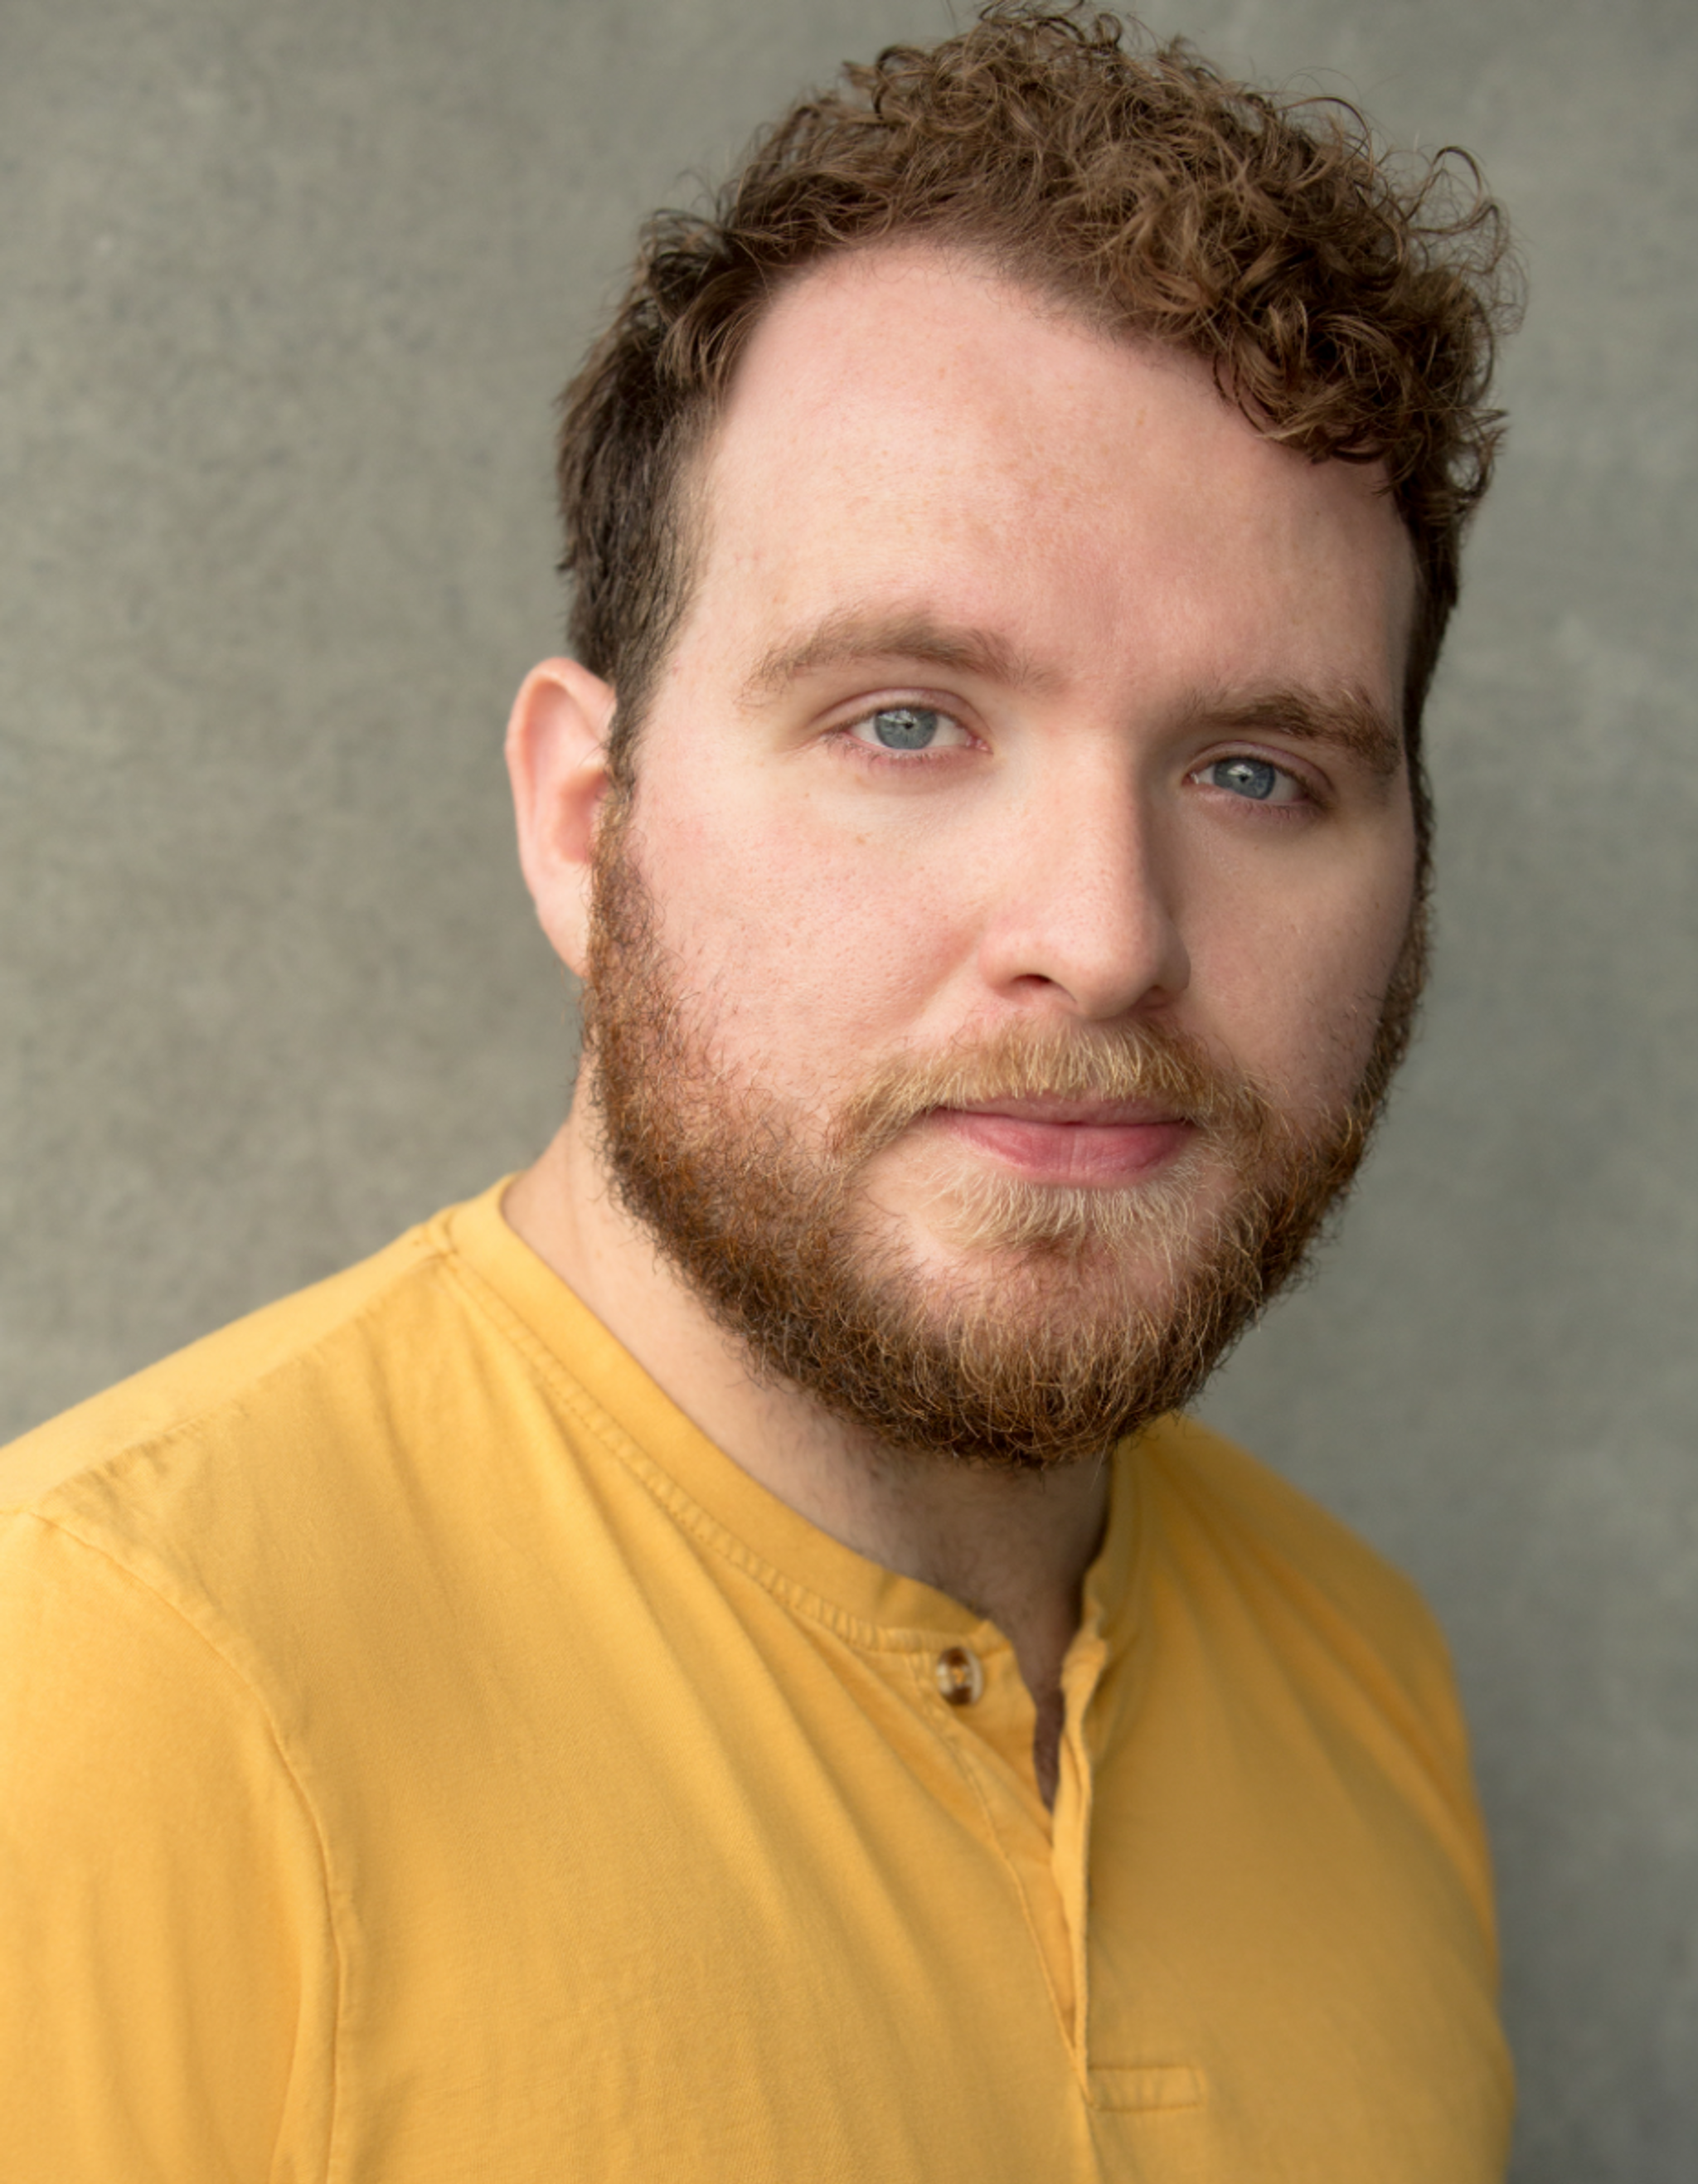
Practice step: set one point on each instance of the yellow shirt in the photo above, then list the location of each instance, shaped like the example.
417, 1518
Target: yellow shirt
427, 1758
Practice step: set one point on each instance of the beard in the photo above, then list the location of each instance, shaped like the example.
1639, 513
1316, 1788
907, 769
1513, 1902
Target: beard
1066, 1319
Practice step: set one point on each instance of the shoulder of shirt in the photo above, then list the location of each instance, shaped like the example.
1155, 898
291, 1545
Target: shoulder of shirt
214, 1390
1219, 1505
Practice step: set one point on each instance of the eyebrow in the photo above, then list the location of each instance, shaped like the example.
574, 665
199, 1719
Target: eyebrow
848, 634
1349, 721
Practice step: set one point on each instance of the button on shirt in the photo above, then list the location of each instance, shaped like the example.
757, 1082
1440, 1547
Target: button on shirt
961, 1676
430, 1758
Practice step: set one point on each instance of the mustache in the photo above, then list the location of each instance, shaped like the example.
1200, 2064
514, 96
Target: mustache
1149, 1062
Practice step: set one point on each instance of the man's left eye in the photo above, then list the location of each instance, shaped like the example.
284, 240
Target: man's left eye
1255, 779
909, 728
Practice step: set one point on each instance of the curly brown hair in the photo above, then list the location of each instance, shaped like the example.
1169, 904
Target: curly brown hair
1350, 310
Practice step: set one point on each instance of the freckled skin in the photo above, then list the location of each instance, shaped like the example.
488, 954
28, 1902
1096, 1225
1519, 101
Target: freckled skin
908, 434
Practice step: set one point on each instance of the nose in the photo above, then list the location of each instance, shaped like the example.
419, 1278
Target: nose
1082, 909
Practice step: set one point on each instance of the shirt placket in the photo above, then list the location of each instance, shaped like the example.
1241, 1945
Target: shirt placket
987, 1714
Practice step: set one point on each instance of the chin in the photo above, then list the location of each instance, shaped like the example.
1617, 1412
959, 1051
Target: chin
1131, 1237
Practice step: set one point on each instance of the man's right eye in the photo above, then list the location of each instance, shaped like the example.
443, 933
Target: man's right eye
909, 728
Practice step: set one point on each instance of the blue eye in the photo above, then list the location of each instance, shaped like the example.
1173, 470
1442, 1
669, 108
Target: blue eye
1253, 778
905, 728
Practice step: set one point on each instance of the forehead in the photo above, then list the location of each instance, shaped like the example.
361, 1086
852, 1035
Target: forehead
909, 429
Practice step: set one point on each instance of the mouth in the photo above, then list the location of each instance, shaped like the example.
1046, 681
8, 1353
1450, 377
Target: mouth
1075, 1144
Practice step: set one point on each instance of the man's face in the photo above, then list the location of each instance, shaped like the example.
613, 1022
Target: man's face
988, 968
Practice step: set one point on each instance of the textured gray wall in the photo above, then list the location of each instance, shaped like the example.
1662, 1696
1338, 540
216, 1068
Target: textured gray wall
284, 293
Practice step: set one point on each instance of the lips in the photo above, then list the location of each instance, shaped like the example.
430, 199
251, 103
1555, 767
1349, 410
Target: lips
1081, 1144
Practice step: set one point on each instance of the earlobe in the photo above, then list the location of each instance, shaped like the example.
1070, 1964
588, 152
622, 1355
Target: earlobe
556, 762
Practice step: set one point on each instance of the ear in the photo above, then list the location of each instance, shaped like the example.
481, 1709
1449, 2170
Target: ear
556, 762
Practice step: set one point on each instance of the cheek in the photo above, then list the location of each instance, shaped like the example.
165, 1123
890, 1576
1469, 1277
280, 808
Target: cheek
1356, 974
1300, 1007
1342, 1010
806, 944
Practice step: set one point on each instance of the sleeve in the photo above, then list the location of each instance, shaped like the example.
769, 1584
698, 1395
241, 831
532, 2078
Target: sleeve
167, 1989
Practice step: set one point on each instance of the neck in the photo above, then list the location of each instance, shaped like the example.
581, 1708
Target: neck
1012, 1546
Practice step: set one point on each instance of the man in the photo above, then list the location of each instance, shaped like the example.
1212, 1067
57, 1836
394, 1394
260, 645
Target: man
717, 1660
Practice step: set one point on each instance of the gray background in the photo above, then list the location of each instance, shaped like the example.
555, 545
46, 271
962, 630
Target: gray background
285, 293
